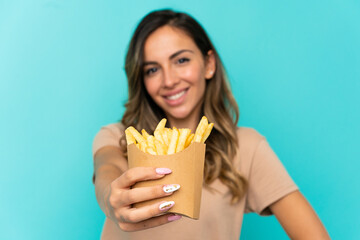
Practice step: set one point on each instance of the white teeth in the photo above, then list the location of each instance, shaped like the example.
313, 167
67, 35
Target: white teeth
176, 96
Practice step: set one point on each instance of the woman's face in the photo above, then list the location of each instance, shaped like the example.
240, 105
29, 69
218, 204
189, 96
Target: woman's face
175, 73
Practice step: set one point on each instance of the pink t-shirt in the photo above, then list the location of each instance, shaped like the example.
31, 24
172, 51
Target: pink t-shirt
268, 182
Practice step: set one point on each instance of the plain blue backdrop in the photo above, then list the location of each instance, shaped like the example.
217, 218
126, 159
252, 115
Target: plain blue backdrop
294, 67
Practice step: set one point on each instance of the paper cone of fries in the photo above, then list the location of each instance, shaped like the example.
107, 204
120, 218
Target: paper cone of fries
187, 170
181, 151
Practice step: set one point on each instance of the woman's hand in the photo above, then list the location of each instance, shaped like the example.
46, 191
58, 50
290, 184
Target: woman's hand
119, 197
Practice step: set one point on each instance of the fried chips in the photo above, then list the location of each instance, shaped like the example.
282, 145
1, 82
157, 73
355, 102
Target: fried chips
167, 141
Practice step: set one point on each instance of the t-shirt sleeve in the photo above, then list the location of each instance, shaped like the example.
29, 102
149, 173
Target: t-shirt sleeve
107, 136
268, 180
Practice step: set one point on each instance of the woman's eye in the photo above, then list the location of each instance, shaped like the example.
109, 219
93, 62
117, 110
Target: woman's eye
183, 60
150, 71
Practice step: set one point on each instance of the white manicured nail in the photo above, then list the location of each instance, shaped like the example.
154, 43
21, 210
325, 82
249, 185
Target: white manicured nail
171, 188
166, 205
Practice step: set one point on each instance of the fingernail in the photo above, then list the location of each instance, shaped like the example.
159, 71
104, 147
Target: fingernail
171, 188
163, 170
174, 218
166, 205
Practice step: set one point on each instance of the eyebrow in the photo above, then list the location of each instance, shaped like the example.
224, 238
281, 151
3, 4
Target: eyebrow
171, 57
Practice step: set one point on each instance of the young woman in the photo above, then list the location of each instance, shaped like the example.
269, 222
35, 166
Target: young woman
175, 72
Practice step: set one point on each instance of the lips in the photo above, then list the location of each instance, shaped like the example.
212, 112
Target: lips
176, 98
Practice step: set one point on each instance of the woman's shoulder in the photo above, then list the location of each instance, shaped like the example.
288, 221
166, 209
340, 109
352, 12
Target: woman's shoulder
108, 135
116, 128
249, 135
249, 140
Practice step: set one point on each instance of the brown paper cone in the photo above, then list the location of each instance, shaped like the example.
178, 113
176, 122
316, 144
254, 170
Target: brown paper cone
187, 170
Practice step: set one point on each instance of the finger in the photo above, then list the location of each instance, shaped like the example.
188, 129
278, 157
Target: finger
149, 223
128, 197
135, 215
137, 174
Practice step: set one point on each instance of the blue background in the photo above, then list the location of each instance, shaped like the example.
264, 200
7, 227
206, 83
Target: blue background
294, 68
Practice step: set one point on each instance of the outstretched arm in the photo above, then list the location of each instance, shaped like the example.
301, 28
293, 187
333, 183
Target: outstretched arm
298, 218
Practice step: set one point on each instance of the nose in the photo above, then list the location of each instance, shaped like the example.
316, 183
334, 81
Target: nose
170, 78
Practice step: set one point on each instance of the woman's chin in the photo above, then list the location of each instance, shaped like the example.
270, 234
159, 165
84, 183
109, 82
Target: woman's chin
178, 114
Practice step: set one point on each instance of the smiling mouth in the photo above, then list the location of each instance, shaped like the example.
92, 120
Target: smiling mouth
176, 96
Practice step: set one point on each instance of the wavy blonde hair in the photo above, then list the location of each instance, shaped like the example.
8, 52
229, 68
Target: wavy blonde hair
219, 105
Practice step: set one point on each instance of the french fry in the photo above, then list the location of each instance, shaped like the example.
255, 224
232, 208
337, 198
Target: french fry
161, 124
173, 141
189, 140
168, 132
200, 129
207, 132
143, 146
150, 141
150, 150
160, 148
145, 134
158, 136
184, 133
129, 137
165, 137
139, 138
